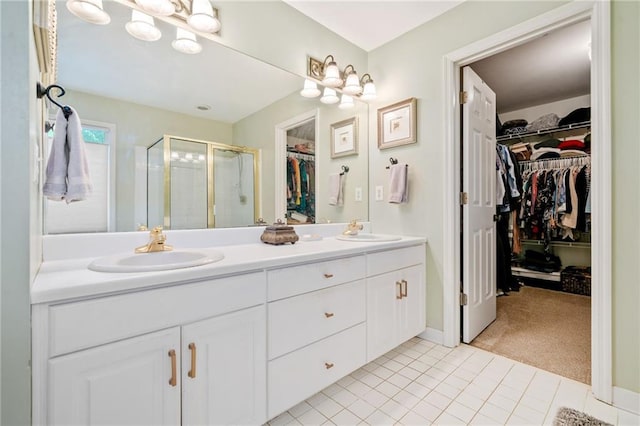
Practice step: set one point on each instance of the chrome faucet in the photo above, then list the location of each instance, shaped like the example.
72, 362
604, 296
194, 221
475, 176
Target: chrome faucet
352, 228
156, 242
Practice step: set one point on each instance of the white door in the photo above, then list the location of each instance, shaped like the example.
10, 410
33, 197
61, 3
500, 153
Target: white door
122, 383
224, 369
478, 227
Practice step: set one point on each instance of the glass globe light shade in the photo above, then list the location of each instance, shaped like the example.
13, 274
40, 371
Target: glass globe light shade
203, 17
332, 76
157, 7
89, 10
310, 89
329, 96
352, 84
369, 91
142, 27
185, 42
346, 102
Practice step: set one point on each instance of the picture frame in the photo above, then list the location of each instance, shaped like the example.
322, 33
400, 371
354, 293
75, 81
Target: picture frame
397, 124
344, 138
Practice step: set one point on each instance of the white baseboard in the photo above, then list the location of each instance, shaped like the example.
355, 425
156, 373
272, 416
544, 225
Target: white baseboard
432, 335
626, 399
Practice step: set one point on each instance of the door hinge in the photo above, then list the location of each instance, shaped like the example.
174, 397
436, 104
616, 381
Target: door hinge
464, 97
463, 299
464, 198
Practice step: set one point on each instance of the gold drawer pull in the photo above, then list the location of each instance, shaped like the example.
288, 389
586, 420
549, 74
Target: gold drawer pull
173, 379
404, 292
328, 275
192, 372
328, 314
398, 290
328, 365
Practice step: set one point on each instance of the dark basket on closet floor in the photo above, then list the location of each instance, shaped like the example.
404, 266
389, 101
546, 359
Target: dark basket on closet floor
576, 279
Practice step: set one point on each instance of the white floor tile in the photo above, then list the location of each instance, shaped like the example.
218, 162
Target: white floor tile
375, 398
529, 414
281, 420
358, 389
437, 373
437, 399
445, 366
501, 401
379, 418
393, 365
428, 359
346, 418
371, 380
413, 419
420, 366
494, 412
294, 422
362, 409
480, 420
329, 408
403, 359
332, 390
344, 398
399, 380
407, 399
417, 389
479, 391
317, 399
464, 374
519, 421
460, 411
470, 401
382, 372
388, 389
409, 373
509, 392
600, 410
427, 410
312, 417
411, 353
300, 409
626, 418
346, 381
394, 409
447, 390
456, 382
448, 419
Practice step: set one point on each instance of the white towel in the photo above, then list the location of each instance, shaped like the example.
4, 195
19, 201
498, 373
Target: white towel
335, 190
67, 175
398, 188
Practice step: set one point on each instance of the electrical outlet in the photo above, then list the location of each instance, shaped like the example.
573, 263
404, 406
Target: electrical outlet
379, 193
358, 193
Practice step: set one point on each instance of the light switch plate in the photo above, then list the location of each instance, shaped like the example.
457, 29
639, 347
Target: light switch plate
358, 193
379, 193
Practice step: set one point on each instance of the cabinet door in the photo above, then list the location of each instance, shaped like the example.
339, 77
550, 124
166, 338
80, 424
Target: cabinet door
224, 369
412, 312
383, 305
123, 383
396, 309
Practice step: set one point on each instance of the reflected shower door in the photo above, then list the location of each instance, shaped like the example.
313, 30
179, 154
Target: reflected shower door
155, 184
234, 188
188, 201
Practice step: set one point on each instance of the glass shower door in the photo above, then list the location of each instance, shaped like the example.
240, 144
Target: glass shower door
188, 186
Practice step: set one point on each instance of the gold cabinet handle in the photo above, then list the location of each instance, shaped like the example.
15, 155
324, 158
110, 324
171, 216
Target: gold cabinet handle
404, 285
328, 275
192, 372
398, 290
173, 380
328, 314
328, 365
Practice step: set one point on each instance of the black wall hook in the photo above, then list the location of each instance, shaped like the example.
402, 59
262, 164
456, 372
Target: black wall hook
42, 91
345, 169
392, 161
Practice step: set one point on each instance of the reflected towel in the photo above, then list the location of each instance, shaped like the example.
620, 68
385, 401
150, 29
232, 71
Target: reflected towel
398, 188
67, 174
335, 190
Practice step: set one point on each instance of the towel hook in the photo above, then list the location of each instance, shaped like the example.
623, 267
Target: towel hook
393, 162
41, 91
345, 169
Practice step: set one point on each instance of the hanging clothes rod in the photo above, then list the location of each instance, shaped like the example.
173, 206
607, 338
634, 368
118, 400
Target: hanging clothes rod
46, 91
306, 157
555, 163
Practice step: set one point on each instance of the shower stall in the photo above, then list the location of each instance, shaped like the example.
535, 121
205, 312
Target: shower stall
195, 184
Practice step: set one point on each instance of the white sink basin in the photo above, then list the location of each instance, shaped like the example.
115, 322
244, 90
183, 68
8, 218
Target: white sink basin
155, 261
368, 238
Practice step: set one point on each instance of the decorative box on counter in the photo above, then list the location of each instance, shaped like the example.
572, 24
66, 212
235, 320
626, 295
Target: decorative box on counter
279, 233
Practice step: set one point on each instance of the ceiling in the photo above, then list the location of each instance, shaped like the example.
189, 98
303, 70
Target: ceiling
370, 24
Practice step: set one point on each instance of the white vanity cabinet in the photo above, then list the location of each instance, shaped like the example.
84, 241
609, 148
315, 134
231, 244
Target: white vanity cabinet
188, 354
396, 304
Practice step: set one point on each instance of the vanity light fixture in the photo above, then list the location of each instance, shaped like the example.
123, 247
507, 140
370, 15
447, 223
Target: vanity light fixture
157, 7
203, 17
329, 75
186, 42
329, 96
346, 102
310, 89
142, 27
89, 10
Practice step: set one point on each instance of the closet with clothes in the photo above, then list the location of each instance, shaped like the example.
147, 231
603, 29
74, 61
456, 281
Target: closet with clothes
550, 229
301, 173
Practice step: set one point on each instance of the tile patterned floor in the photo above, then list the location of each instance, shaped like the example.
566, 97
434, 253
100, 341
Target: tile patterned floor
422, 383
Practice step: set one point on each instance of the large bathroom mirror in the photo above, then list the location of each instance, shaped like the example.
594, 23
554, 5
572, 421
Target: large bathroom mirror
129, 93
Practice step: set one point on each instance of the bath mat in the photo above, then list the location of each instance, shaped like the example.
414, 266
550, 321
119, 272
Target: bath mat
570, 417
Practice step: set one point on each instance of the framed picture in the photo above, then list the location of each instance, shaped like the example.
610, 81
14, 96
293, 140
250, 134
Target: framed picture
397, 124
344, 138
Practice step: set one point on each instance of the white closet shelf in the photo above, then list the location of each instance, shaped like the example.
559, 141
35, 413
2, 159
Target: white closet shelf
568, 128
528, 273
557, 243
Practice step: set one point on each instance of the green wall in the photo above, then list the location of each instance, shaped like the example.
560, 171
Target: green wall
412, 65
625, 121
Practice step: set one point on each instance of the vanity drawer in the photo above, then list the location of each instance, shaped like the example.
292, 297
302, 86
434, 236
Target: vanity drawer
87, 323
297, 321
298, 375
391, 260
287, 282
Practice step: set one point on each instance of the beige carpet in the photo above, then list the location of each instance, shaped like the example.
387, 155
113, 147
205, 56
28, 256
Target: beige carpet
547, 329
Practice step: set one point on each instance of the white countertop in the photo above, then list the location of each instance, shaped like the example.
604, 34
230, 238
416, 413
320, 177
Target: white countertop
67, 279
